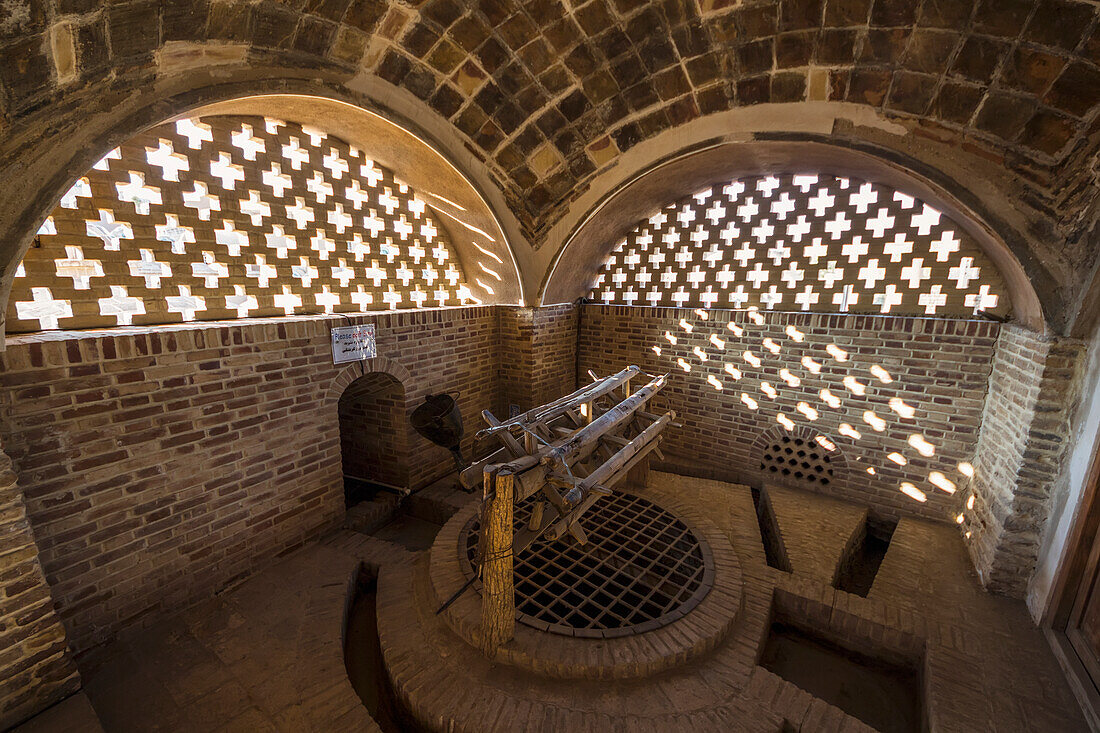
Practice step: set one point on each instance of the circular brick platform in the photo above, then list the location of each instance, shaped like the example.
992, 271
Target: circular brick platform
687, 632
641, 568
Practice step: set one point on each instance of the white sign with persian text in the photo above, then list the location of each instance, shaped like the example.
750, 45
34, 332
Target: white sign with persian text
353, 343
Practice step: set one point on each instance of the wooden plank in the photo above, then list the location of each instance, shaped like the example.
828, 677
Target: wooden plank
530, 476
472, 475
584, 440
576, 418
536, 515
566, 523
647, 441
637, 478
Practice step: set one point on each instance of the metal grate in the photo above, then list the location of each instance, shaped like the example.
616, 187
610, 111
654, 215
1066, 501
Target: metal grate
641, 568
797, 458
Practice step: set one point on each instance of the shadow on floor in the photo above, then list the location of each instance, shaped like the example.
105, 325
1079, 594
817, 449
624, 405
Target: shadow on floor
363, 658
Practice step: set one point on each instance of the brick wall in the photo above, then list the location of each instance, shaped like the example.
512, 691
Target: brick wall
938, 367
36, 665
374, 429
158, 467
555, 355
538, 354
516, 357
1025, 433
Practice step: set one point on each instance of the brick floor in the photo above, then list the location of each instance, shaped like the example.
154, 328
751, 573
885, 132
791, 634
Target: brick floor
269, 654
984, 666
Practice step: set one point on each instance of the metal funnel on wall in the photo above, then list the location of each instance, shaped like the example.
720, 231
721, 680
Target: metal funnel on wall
439, 420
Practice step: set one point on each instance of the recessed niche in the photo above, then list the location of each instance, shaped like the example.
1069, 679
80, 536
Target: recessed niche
859, 565
775, 553
883, 694
797, 459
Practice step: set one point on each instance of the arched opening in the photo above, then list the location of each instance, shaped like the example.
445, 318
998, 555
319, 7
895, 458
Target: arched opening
596, 235
457, 207
228, 216
373, 437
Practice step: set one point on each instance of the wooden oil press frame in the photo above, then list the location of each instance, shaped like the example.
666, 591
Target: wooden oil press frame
569, 452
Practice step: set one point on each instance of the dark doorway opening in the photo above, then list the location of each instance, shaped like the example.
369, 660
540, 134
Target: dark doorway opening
373, 437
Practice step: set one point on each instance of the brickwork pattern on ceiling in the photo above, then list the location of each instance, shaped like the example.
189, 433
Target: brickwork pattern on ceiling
803, 242
901, 398
548, 92
231, 217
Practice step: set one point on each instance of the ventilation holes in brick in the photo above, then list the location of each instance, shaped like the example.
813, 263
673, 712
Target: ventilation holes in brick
799, 459
803, 242
233, 217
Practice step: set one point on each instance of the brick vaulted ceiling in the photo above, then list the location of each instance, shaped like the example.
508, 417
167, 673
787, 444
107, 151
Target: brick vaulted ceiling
549, 92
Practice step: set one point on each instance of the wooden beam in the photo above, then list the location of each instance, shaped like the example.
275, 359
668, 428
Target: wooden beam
562, 405
503, 436
584, 441
647, 441
498, 606
569, 522
471, 476
530, 476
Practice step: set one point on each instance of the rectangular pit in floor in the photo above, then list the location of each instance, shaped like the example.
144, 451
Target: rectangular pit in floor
885, 691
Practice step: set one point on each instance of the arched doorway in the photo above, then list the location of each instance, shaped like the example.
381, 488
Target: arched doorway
373, 437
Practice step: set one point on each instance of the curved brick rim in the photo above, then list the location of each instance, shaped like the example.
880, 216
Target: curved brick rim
706, 582
359, 369
692, 634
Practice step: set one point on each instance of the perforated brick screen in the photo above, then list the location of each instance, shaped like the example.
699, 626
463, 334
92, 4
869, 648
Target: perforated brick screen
229, 217
803, 242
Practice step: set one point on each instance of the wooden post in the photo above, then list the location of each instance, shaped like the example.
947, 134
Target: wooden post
498, 606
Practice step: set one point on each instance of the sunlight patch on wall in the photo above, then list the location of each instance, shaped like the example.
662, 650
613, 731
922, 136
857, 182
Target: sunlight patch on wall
230, 217
763, 354
803, 242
